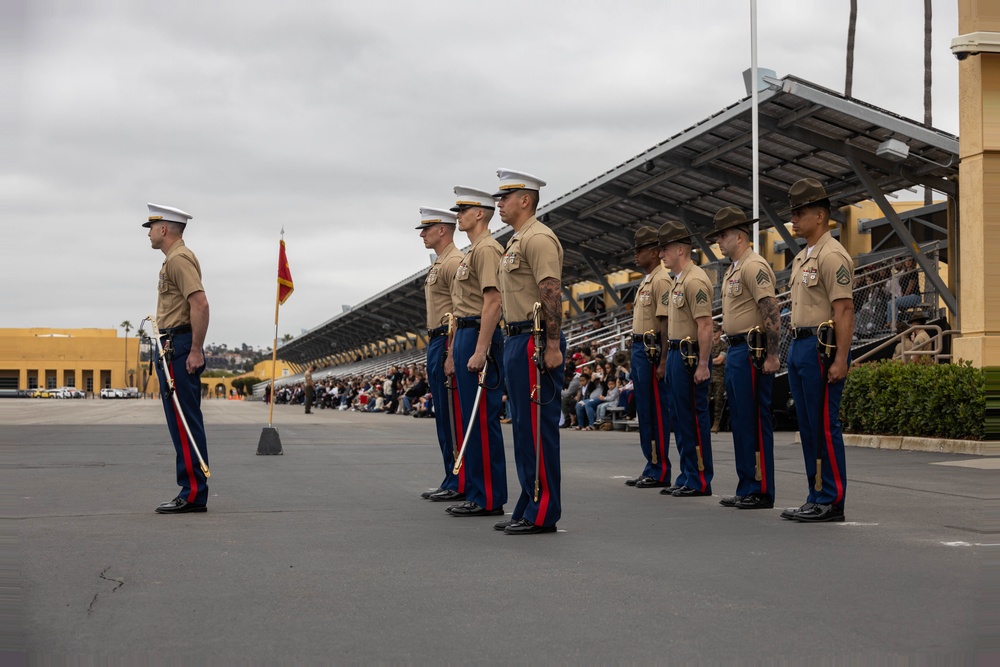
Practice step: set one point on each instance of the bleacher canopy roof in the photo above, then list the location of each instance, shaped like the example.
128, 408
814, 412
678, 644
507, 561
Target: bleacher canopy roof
804, 131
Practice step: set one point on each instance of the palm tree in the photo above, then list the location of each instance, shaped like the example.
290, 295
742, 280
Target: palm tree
851, 24
127, 326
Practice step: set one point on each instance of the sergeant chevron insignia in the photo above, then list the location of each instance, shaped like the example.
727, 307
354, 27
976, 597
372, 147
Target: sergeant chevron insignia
665, 299
762, 277
701, 296
843, 275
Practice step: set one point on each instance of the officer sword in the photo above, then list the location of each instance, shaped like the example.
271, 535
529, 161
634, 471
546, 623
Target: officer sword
449, 320
539, 340
652, 353
690, 357
161, 353
472, 421
757, 349
826, 346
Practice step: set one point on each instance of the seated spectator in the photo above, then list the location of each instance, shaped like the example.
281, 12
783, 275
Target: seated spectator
609, 400
914, 339
591, 392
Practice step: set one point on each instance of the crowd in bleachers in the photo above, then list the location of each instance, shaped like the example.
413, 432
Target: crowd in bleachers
597, 389
400, 389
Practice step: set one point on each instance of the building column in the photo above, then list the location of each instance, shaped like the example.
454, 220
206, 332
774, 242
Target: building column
979, 192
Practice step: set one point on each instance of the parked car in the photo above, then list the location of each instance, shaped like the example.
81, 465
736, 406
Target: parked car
70, 392
107, 392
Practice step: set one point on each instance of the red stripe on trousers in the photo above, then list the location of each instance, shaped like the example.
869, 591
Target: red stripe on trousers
456, 415
543, 495
484, 438
828, 443
697, 434
659, 426
185, 443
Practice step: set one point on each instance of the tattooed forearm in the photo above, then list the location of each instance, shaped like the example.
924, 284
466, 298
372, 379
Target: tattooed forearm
772, 322
550, 294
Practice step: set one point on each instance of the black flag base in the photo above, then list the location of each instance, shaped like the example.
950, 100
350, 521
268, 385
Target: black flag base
270, 442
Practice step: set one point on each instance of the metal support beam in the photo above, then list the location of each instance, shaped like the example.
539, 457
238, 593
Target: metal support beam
930, 271
601, 278
573, 305
778, 224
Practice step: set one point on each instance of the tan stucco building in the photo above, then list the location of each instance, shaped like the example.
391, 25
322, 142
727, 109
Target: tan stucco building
88, 359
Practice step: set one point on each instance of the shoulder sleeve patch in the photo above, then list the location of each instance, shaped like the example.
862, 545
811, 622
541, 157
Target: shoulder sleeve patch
762, 277
843, 275
665, 299
701, 296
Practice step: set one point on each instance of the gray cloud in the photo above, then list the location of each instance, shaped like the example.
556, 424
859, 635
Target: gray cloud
339, 120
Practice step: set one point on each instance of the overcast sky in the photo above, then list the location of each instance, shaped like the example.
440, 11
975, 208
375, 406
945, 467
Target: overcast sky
338, 120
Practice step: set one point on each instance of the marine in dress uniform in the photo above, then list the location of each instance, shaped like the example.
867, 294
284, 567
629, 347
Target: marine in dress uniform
437, 229
821, 281
530, 272
689, 328
649, 327
182, 318
747, 303
475, 295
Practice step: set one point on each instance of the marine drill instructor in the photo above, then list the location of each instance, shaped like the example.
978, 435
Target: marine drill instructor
689, 368
649, 361
821, 279
748, 303
182, 318
530, 272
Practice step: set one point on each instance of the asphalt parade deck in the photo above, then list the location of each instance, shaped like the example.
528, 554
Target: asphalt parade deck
327, 553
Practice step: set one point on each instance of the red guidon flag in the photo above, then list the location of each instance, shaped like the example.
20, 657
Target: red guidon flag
285, 285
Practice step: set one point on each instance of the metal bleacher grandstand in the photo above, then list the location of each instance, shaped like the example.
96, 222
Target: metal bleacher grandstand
805, 131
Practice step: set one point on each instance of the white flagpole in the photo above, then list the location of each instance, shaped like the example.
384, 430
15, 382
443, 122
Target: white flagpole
755, 124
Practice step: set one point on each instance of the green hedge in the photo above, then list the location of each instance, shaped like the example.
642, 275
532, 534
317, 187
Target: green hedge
937, 401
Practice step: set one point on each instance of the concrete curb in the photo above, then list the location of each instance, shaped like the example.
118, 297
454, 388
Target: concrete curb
917, 444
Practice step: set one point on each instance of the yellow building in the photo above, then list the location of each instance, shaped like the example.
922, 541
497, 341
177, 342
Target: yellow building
88, 359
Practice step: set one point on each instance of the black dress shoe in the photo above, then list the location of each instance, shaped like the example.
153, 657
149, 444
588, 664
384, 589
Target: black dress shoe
755, 501
669, 491
179, 506
792, 511
445, 495
730, 501
650, 483
688, 492
427, 494
502, 525
525, 527
820, 514
632, 482
470, 508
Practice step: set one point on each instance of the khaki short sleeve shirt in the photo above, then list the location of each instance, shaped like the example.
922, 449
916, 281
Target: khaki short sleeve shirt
652, 300
180, 277
690, 298
818, 280
476, 272
533, 254
437, 285
747, 281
